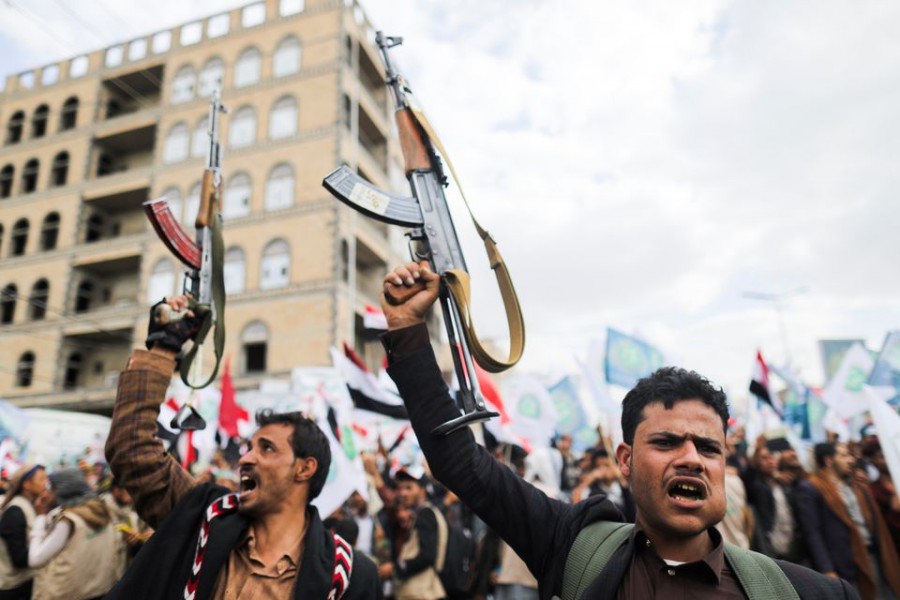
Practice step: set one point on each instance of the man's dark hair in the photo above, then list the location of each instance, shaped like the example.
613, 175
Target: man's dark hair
669, 385
307, 441
823, 451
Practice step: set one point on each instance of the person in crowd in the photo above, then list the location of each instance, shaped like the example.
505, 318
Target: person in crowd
74, 547
844, 532
132, 532
415, 569
267, 541
775, 526
29, 487
736, 526
883, 490
673, 456
570, 470
605, 479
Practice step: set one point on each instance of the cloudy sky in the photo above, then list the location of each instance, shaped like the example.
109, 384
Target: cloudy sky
643, 165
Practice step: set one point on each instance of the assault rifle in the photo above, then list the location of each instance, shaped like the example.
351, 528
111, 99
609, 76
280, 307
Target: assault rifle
203, 258
433, 238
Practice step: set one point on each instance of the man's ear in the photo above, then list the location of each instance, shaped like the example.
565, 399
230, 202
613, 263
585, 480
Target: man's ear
623, 455
305, 469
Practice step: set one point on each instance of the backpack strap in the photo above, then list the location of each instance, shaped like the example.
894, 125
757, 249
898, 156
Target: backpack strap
443, 538
591, 550
759, 575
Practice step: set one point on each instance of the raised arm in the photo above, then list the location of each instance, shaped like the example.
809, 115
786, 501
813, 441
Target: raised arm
135, 455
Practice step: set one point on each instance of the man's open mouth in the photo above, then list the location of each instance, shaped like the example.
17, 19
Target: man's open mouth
687, 490
248, 483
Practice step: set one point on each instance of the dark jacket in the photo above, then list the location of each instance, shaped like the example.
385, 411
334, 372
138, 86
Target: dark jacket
539, 529
161, 568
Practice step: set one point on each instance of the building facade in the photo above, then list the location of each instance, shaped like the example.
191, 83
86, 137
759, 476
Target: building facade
86, 141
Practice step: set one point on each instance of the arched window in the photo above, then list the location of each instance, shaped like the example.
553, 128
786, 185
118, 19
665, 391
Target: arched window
39, 121
254, 347
25, 370
8, 297
50, 232
173, 199
162, 280
73, 371
211, 76
280, 187
176, 145
94, 230
7, 175
84, 297
15, 127
248, 68
275, 271
68, 117
236, 200
192, 204
242, 129
183, 85
30, 176
59, 172
200, 141
235, 271
37, 302
287, 57
19, 237
283, 118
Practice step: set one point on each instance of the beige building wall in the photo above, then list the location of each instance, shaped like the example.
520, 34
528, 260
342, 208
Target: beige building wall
107, 265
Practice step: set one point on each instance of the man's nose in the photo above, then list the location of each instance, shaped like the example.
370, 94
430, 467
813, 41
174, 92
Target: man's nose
247, 458
689, 457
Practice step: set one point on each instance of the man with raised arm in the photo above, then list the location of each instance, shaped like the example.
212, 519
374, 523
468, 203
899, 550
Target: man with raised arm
266, 541
673, 425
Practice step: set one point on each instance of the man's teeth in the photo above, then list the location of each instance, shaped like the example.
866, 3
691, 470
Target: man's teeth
689, 490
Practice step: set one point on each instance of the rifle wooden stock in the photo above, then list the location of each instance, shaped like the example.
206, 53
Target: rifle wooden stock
412, 142
208, 196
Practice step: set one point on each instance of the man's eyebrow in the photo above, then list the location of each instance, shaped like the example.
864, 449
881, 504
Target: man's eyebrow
680, 438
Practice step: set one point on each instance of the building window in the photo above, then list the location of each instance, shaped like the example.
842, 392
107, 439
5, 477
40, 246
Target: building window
200, 141
73, 371
276, 266
192, 204
254, 345
173, 200
137, 49
19, 237
84, 297
162, 280
15, 127
2, 231
8, 298
280, 188
26, 80
39, 121
114, 56
25, 370
346, 111
248, 68
345, 261
176, 145
234, 271
242, 129
37, 302
95, 226
218, 25
78, 67
50, 232
211, 77
59, 172
191, 33
30, 176
161, 42
283, 118
290, 7
49, 75
183, 85
69, 114
236, 200
253, 15
287, 57
104, 165
7, 175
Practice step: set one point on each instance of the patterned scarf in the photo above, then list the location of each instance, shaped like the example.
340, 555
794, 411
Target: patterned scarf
343, 552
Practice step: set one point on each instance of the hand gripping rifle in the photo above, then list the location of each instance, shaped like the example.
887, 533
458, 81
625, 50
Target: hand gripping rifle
204, 259
433, 238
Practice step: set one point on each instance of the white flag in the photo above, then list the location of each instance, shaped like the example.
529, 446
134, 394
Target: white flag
887, 423
529, 405
844, 393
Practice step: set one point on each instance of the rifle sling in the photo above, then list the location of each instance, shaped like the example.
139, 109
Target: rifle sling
458, 280
218, 297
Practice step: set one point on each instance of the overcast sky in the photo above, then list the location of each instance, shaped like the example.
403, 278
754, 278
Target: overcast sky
642, 165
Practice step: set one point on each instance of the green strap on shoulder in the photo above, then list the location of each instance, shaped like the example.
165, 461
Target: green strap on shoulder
760, 577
